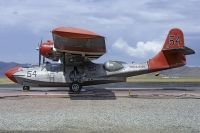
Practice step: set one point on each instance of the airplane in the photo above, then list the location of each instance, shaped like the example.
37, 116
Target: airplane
76, 48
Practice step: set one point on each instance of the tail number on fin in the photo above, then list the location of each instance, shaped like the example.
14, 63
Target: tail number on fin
174, 40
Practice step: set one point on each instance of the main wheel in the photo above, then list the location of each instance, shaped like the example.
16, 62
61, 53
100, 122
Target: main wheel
75, 87
26, 88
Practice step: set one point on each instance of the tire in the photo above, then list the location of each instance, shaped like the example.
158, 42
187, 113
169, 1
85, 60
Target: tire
26, 88
75, 87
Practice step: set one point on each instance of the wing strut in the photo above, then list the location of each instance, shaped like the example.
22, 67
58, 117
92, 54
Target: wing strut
64, 62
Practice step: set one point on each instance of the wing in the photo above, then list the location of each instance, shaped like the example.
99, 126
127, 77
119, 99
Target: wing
78, 43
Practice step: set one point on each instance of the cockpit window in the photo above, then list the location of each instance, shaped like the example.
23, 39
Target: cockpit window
53, 67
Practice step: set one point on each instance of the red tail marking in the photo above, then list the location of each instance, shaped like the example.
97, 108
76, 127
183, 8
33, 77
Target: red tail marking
175, 40
167, 57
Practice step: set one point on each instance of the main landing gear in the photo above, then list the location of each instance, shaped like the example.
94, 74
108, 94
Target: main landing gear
26, 88
75, 87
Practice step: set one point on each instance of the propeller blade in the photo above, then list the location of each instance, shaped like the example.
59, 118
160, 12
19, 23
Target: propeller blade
38, 47
40, 42
43, 61
39, 58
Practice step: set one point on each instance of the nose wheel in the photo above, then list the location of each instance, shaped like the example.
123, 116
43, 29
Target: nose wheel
26, 88
75, 87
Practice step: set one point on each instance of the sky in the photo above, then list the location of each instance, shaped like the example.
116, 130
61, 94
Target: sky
134, 30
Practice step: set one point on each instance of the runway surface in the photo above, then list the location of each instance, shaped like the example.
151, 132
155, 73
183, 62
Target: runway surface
110, 91
143, 108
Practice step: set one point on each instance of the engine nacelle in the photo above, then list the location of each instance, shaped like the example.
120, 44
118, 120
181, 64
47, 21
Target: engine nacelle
47, 50
112, 66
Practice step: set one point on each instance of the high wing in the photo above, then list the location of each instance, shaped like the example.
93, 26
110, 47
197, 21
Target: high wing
78, 42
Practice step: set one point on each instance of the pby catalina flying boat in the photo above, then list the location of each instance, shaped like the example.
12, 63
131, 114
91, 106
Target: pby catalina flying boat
76, 48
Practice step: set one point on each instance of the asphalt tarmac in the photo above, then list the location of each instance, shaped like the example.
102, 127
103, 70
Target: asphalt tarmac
109, 91
122, 107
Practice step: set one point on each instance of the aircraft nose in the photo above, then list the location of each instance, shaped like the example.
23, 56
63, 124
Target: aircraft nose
9, 73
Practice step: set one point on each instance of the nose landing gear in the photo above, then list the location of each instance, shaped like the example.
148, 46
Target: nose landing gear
26, 88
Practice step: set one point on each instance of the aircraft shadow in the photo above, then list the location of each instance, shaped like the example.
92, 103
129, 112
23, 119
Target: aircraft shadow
90, 93
87, 93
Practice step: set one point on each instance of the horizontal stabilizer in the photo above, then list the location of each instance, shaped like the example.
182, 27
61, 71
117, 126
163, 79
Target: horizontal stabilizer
185, 51
188, 51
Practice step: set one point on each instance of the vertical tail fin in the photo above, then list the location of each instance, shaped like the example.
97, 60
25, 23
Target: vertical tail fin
172, 54
175, 40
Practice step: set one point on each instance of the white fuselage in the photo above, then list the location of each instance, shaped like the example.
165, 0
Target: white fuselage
87, 74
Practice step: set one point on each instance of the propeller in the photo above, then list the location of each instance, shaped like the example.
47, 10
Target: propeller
38, 48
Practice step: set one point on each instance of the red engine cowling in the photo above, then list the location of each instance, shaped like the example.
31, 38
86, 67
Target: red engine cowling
47, 50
